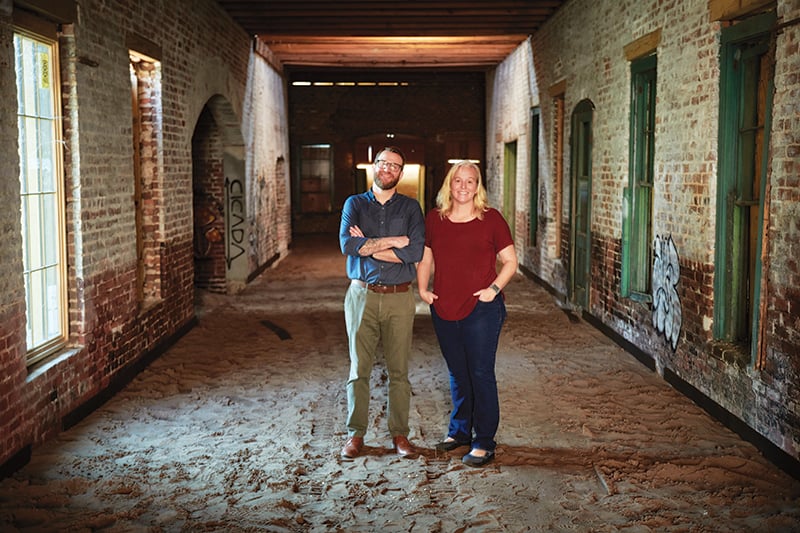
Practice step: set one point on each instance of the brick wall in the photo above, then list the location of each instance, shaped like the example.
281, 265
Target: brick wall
582, 50
780, 393
14, 429
206, 62
269, 193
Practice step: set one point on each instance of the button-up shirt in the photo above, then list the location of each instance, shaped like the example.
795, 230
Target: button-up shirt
400, 215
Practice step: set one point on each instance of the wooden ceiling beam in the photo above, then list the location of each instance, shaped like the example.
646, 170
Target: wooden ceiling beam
399, 29
460, 31
392, 52
394, 41
366, 7
358, 15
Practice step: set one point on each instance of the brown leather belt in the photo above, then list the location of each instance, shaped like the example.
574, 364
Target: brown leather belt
383, 289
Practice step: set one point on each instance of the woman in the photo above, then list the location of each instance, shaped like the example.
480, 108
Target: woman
464, 238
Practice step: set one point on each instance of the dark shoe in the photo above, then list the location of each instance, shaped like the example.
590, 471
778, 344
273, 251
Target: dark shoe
448, 445
352, 447
474, 460
402, 446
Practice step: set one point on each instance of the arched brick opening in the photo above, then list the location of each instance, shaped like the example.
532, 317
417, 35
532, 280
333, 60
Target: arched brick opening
218, 185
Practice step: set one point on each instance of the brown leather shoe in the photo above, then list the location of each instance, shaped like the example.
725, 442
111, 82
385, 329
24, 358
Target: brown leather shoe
402, 446
352, 447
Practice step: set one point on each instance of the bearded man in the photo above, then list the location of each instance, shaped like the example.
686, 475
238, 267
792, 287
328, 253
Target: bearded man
382, 233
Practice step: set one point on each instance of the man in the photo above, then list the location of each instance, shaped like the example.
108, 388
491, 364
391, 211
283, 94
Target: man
382, 233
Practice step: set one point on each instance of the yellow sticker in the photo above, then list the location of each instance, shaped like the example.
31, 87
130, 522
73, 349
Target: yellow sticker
44, 74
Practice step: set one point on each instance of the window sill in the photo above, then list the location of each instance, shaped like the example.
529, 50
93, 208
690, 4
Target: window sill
734, 354
640, 297
43, 366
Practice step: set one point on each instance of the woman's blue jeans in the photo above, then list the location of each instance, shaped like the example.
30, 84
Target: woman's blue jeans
469, 347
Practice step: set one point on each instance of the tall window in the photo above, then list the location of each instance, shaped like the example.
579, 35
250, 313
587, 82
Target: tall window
637, 238
558, 92
41, 187
510, 185
745, 108
147, 167
534, 194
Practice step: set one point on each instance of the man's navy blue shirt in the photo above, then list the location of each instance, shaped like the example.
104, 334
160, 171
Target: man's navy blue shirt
400, 215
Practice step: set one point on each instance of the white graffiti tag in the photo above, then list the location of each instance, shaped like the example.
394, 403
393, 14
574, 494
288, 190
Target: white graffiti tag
667, 317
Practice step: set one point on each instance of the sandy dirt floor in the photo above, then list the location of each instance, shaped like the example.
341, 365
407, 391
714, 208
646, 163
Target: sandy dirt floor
238, 427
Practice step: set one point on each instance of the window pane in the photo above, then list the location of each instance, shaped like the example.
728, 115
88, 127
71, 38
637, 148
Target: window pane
23, 161
33, 229
28, 139
52, 316
35, 307
46, 141
50, 238
44, 74
25, 256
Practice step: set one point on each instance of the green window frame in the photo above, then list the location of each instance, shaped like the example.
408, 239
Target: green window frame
637, 227
41, 193
510, 185
746, 87
533, 223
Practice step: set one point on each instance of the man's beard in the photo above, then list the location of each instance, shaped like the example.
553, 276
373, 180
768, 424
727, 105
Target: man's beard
387, 183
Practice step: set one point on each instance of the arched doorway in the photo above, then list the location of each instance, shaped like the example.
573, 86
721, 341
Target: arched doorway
220, 235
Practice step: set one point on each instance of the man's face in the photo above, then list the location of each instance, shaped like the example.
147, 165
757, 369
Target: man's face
388, 170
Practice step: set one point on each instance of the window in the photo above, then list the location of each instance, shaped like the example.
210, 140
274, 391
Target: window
41, 188
558, 92
147, 165
316, 173
510, 185
637, 231
745, 107
534, 192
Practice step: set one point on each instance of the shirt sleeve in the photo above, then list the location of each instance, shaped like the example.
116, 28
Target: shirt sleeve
350, 245
416, 235
429, 225
502, 231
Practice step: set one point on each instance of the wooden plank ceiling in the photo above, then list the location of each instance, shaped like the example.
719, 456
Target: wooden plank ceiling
380, 34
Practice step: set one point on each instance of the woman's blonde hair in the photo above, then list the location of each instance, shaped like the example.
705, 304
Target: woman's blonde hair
444, 200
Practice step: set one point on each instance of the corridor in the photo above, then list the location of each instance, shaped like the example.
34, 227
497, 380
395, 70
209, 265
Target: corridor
238, 427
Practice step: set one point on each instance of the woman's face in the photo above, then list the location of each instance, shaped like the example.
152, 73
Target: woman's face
464, 185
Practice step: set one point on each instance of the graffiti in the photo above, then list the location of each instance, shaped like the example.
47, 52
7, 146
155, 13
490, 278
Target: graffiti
206, 212
542, 218
234, 220
667, 316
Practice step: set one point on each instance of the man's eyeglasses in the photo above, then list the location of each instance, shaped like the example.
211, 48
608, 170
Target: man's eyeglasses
394, 167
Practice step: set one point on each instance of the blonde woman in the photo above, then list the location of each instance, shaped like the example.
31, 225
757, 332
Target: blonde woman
464, 239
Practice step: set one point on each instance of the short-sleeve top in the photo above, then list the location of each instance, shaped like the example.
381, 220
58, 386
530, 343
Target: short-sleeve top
465, 259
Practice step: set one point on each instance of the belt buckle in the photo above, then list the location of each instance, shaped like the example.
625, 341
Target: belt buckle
380, 288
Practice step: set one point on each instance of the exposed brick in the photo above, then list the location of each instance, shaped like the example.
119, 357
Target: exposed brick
207, 63
580, 51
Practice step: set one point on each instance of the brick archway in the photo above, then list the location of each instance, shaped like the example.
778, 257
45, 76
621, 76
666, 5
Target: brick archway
220, 235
